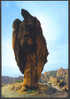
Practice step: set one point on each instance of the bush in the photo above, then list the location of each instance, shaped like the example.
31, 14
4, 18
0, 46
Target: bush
19, 81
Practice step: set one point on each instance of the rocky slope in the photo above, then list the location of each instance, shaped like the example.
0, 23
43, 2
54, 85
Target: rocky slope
10, 80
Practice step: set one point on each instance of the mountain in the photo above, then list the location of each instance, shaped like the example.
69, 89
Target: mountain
52, 83
58, 77
9, 80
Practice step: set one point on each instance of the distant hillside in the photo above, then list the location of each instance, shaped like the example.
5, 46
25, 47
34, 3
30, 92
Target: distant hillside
9, 80
52, 73
60, 74
52, 83
59, 77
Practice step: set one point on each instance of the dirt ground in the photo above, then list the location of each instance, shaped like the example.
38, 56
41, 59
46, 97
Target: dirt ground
43, 91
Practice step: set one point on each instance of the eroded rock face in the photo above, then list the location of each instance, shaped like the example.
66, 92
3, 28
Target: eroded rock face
29, 47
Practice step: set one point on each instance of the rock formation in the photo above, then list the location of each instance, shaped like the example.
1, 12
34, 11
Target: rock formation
30, 48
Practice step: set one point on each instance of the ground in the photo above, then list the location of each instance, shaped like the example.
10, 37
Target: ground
44, 91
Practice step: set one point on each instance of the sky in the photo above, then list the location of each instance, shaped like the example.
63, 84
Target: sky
53, 16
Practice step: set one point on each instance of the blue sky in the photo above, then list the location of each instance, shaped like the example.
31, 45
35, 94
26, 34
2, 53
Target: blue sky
53, 16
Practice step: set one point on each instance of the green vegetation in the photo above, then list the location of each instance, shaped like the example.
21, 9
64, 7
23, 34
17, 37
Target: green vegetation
19, 81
